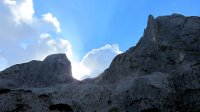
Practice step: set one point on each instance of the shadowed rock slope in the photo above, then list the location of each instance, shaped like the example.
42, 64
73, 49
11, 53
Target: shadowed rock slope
160, 74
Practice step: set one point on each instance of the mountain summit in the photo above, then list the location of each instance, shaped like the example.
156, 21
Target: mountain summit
169, 44
160, 74
54, 69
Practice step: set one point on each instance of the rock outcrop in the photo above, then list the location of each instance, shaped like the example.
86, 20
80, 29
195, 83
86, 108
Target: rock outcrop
162, 71
160, 74
54, 69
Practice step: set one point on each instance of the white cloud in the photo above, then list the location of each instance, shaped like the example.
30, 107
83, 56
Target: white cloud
52, 20
22, 10
24, 37
95, 61
47, 45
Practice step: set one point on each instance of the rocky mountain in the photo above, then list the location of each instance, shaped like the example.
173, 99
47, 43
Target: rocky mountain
54, 69
160, 74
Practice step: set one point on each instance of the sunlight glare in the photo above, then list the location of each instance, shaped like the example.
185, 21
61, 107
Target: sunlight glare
79, 70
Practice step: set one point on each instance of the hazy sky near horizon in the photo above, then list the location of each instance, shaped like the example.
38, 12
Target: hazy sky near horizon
90, 32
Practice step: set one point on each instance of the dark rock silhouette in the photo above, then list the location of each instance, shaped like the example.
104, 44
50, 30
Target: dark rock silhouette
160, 74
4, 91
55, 69
61, 107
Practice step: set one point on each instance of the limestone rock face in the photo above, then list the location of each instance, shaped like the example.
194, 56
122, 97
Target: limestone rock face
54, 69
160, 74
162, 69
169, 44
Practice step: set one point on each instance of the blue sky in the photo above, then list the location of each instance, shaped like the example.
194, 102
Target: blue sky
89, 24
90, 32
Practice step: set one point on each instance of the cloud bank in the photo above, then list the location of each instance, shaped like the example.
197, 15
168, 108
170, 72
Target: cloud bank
95, 61
25, 37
